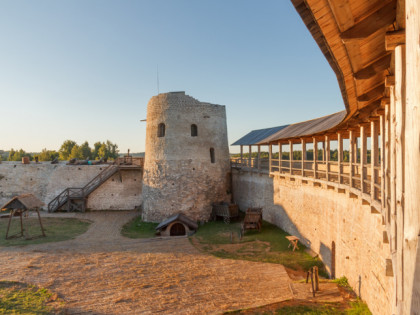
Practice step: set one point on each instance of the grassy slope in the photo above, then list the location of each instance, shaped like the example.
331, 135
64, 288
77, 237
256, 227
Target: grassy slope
136, 228
269, 245
56, 229
19, 298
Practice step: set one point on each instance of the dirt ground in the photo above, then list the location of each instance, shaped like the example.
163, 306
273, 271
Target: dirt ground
102, 272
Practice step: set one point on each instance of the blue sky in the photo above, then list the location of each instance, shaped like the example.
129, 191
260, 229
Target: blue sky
85, 70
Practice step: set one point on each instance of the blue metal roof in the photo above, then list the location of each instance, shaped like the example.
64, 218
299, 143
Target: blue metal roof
256, 136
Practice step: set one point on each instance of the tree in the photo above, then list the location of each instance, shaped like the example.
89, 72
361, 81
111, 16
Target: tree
107, 150
76, 153
66, 148
47, 155
18, 155
95, 152
86, 151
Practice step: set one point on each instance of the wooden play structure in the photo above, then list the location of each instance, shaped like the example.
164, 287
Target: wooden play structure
20, 206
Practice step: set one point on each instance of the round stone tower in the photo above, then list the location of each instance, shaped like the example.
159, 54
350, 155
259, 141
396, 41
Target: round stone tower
186, 165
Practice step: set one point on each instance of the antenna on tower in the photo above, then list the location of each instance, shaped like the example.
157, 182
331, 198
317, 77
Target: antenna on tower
157, 77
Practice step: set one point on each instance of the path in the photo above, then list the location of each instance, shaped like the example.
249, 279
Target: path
102, 272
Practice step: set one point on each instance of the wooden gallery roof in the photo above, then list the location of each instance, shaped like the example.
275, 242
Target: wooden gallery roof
297, 130
351, 35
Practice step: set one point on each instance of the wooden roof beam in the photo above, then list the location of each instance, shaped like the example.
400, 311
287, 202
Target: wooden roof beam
389, 81
382, 18
394, 39
378, 66
372, 95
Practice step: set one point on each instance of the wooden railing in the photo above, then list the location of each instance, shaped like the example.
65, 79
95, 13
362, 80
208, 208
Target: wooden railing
340, 174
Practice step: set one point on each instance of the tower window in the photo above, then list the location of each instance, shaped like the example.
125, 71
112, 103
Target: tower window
161, 130
212, 158
194, 131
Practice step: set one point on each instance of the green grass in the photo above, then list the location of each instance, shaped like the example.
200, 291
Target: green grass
308, 308
136, 228
19, 298
269, 245
56, 229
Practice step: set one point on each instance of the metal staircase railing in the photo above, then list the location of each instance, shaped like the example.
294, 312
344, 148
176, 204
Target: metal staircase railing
69, 194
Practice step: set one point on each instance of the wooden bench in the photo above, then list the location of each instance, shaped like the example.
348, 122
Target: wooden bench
225, 210
252, 220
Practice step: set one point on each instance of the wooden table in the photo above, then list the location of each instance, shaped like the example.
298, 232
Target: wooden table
293, 241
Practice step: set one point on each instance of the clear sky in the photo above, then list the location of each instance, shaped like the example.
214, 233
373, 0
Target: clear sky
85, 70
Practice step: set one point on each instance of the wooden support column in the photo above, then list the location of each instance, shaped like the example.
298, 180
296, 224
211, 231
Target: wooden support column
400, 102
242, 154
387, 157
270, 156
280, 156
327, 157
412, 158
382, 159
259, 158
392, 172
315, 157
250, 157
351, 158
303, 143
291, 157
339, 157
323, 151
374, 158
363, 158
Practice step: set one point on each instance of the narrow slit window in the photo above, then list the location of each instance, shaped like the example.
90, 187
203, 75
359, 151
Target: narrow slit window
161, 130
212, 158
194, 131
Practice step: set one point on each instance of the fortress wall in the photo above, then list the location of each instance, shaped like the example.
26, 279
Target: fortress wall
320, 216
46, 181
178, 173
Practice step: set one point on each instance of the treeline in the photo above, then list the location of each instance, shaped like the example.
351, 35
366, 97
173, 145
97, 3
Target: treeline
68, 150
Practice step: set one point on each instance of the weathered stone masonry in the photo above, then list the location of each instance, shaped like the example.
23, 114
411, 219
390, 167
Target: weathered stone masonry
120, 192
321, 216
180, 173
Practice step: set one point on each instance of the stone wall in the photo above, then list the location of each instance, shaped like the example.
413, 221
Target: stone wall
179, 175
46, 181
319, 217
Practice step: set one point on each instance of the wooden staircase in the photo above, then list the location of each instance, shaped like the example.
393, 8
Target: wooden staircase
74, 199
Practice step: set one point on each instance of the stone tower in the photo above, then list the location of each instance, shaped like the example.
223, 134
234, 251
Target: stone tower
186, 165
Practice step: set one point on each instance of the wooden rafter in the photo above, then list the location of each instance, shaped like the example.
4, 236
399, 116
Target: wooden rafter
374, 68
382, 18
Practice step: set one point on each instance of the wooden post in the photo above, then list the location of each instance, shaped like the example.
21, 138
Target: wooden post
280, 156
387, 174
327, 157
270, 156
250, 157
400, 162
259, 158
351, 157
339, 156
8, 225
291, 157
312, 282
316, 278
374, 158
363, 158
303, 143
242, 155
315, 158
412, 156
323, 151
383, 176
